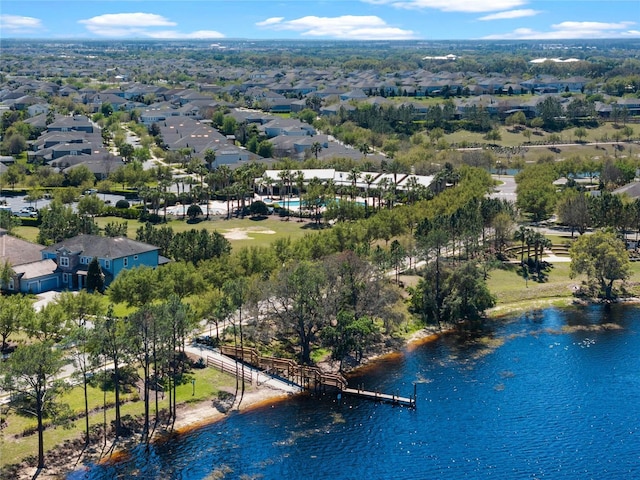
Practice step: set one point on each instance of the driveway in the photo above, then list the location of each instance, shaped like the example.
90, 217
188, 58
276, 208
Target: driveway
506, 188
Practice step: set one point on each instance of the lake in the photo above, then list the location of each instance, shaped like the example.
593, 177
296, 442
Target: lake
553, 394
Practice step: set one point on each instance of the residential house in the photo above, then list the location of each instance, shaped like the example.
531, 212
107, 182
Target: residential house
65, 264
37, 109
101, 163
356, 94
30, 272
72, 257
287, 126
79, 123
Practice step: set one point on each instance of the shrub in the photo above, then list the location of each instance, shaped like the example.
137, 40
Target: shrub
122, 204
128, 213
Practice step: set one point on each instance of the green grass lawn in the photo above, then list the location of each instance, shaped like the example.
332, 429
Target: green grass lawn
510, 139
208, 383
28, 233
510, 287
277, 228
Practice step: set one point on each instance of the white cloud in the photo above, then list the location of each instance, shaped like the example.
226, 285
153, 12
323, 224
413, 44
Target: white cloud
138, 19
140, 25
270, 21
526, 12
468, 6
344, 27
170, 34
569, 30
19, 24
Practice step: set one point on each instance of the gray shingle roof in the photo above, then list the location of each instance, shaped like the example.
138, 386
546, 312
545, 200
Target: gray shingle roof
18, 251
102, 247
36, 269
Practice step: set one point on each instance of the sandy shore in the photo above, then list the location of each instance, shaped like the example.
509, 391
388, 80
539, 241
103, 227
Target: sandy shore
205, 413
189, 417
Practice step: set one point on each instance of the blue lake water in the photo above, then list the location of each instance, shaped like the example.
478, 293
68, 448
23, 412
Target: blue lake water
549, 395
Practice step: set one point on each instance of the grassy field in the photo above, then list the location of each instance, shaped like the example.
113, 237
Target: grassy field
511, 288
14, 449
260, 232
510, 139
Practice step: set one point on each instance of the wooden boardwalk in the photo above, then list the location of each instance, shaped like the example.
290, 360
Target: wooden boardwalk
381, 397
311, 378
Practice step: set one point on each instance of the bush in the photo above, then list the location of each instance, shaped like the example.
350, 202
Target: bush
122, 204
31, 222
199, 364
259, 209
128, 213
150, 217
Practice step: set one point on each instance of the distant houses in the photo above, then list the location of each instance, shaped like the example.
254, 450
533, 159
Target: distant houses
264, 97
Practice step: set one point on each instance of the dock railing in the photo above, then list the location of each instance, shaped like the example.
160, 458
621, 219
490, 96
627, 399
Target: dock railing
309, 377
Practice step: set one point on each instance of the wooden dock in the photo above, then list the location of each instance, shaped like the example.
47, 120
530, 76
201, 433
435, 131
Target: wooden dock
381, 397
310, 378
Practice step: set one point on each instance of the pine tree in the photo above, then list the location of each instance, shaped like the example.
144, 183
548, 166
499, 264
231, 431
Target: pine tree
95, 277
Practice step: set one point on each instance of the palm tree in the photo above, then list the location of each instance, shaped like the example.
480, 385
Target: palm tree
209, 157
316, 148
238, 191
383, 187
521, 236
268, 184
394, 167
178, 181
246, 185
364, 149
540, 243
368, 180
412, 189
285, 177
166, 194
299, 178
353, 177
225, 176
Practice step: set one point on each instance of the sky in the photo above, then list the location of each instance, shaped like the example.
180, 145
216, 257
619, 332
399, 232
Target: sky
325, 19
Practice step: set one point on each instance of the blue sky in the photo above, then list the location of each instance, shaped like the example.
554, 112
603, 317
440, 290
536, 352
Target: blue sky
328, 19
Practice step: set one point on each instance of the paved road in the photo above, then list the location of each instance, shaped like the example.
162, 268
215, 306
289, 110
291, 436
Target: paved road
506, 189
257, 377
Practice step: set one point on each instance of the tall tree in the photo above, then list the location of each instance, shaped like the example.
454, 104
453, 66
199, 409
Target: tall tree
137, 287
16, 311
81, 307
48, 324
109, 341
573, 211
603, 257
60, 221
468, 296
178, 322
295, 299
140, 328
95, 277
432, 238
31, 371
237, 293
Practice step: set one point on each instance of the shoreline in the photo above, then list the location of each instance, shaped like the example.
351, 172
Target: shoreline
190, 417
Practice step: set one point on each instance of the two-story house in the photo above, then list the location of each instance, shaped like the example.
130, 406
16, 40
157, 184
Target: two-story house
72, 257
